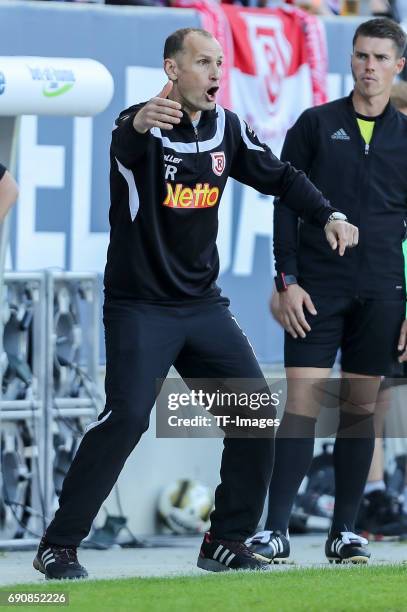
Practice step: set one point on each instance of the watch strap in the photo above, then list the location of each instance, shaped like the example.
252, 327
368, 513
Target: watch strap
282, 281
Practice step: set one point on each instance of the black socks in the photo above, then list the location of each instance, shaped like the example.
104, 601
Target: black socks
294, 449
293, 455
353, 452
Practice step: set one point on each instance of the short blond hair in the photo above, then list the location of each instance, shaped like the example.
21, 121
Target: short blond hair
175, 42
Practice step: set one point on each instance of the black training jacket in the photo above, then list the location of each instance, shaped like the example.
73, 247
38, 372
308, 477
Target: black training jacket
367, 183
165, 191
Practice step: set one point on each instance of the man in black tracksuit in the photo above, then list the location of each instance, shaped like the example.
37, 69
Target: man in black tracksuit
355, 150
170, 159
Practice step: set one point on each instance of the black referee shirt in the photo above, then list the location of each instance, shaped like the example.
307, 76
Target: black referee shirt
367, 183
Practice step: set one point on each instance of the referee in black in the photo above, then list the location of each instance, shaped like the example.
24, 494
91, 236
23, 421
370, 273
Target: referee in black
355, 150
170, 159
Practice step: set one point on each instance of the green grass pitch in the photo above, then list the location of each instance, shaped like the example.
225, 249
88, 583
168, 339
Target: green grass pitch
307, 590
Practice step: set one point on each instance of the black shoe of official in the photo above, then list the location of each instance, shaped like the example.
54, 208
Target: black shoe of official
273, 545
346, 547
58, 562
380, 517
224, 555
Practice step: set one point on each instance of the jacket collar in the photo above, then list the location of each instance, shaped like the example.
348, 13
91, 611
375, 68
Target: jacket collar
206, 117
388, 112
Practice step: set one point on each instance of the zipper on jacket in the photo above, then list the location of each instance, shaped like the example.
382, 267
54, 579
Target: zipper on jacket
367, 147
196, 138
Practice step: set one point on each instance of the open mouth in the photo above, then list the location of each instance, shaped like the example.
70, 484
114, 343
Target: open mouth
211, 94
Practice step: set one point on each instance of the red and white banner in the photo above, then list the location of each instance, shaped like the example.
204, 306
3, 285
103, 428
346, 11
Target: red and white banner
276, 63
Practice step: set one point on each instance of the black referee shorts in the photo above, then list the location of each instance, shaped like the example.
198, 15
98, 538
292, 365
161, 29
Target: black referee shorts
366, 331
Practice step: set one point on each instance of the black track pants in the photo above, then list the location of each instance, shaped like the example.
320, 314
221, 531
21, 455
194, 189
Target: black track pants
142, 342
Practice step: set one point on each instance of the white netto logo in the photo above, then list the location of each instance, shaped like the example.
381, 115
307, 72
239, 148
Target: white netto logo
272, 52
340, 135
218, 162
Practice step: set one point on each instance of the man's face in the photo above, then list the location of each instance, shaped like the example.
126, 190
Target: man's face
197, 71
374, 66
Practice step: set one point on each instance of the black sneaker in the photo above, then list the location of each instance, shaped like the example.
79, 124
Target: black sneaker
224, 555
380, 517
273, 545
58, 562
346, 547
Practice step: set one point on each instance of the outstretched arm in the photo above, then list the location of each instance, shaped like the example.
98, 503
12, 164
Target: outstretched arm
255, 165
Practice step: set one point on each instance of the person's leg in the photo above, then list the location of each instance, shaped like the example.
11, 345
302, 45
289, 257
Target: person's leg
369, 350
375, 478
218, 359
380, 515
353, 452
392, 395
294, 444
308, 362
141, 344
218, 352
354, 445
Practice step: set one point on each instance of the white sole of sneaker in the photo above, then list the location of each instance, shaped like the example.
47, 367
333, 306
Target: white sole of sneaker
280, 560
357, 559
275, 560
261, 558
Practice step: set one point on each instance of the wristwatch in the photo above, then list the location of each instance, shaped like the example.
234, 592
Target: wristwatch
336, 216
282, 281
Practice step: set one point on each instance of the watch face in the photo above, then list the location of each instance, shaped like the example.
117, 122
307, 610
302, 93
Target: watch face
339, 217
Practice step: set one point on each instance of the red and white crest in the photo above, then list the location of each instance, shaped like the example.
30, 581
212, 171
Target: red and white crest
218, 162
